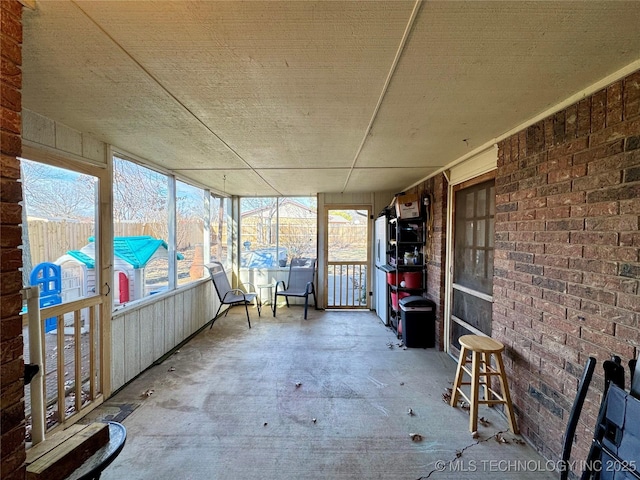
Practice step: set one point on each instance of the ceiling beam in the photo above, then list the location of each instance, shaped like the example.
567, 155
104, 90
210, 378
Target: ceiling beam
392, 70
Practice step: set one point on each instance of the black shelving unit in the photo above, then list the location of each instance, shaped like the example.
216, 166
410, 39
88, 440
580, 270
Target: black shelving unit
407, 239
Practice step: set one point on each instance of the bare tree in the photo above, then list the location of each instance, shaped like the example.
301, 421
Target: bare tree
54, 193
140, 195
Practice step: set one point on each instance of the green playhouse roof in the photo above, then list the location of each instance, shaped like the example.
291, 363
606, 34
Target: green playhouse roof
83, 258
136, 251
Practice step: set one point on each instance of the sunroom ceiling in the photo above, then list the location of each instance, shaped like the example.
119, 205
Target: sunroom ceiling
300, 97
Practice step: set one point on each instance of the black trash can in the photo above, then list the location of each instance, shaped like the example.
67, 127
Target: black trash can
418, 316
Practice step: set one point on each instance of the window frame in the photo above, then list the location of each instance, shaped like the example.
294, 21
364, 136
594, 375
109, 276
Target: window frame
172, 218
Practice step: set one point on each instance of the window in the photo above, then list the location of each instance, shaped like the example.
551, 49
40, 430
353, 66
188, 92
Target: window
218, 230
298, 226
191, 214
273, 231
59, 207
141, 231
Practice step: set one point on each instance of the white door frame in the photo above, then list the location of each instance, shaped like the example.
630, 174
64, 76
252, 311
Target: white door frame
474, 167
104, 235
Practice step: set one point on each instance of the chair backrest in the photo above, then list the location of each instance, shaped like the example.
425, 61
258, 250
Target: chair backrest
574, 416
301, 272
219, 279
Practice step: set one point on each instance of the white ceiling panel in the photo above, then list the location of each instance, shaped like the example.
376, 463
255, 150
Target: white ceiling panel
243, 182
284, 92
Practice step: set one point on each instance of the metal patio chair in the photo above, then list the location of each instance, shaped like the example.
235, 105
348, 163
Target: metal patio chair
300, 283
230, 296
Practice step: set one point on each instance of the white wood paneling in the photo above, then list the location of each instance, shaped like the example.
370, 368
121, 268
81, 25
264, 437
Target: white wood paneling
169, 324
146, 316
56, 138
179, 327
382, 199
117, 352
38, 128
68, 140
132, 345
143, 334
158, 330
93, 149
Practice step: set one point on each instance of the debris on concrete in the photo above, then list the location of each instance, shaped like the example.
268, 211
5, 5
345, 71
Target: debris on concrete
446, 395
171, 369
411, 413
416, 437
298, 384
147, 393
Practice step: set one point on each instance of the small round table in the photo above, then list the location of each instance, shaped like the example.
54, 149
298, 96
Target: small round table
269, 287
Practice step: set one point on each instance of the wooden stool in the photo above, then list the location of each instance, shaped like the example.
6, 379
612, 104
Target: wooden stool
481, 349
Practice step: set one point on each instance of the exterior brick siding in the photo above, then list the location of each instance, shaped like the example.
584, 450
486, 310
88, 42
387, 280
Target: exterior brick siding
436, 188
567, 271
12, 422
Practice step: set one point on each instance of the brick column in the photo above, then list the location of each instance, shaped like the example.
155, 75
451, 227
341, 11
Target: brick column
12, 424
437, 186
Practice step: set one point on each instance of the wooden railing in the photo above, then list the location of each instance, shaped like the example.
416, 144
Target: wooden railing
347, 285
62, 395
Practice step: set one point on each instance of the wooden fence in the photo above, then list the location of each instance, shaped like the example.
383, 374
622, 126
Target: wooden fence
49, 240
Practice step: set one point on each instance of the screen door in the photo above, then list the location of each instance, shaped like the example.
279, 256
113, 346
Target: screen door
472, 289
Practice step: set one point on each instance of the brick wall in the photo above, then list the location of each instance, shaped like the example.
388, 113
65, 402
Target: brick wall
567, 271
12, 428
435, 258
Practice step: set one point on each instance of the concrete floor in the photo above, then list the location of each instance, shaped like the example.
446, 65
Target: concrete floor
226, 406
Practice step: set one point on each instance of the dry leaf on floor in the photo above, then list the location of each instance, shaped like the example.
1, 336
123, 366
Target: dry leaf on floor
401, 384
172, 369
500, 438
313, 420
416, 437
298, 384
148, 393
411, 412
484, 422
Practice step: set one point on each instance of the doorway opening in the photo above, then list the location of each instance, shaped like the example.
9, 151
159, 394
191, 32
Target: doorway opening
61, 256
472, 270
348, 250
